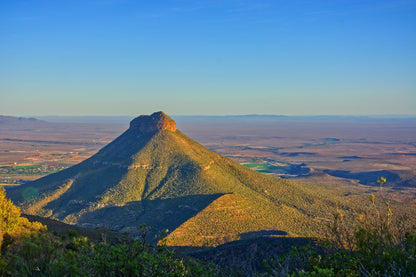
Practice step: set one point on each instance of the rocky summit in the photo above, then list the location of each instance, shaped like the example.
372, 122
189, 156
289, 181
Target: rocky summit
153, 174
152, 123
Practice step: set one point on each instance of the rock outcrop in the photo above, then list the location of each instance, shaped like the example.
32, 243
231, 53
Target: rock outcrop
152, 123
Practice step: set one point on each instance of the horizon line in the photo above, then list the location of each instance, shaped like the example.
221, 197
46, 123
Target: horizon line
232, 115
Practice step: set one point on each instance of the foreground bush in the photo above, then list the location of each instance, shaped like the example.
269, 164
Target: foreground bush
13, 227
47, 255
28, 249
379, 243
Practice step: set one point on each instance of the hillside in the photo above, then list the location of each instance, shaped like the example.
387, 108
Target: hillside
156, 175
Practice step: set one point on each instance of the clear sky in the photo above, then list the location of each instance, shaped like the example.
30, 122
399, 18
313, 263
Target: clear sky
128, 57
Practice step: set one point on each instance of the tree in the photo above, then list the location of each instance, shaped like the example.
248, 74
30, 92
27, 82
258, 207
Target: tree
9, 215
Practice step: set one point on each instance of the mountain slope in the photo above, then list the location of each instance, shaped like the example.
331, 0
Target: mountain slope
156, 175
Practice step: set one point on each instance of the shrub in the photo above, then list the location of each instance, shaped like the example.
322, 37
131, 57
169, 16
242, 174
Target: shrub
9, 215
378, 243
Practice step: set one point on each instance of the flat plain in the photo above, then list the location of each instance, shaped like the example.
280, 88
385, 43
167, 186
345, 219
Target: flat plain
346, 152
30, 149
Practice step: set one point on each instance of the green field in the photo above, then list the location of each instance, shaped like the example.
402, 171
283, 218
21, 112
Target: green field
264, 168
25, 170
27, 166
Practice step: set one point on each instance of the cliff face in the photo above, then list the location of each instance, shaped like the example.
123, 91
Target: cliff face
151, 123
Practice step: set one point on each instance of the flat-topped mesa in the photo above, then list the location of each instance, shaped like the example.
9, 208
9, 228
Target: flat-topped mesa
151, 123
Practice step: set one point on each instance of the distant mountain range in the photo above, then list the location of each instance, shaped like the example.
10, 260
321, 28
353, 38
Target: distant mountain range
153, 174
216, 118
4, 119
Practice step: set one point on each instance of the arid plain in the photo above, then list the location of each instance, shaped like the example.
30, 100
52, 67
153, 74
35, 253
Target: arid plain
348, 152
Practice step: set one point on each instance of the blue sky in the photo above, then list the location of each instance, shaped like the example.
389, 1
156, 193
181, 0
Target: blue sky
125, 57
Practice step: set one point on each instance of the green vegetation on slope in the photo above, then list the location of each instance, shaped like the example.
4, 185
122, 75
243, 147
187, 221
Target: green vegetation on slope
164, 180
379, 243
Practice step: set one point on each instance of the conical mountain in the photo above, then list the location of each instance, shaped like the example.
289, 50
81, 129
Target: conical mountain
156, 175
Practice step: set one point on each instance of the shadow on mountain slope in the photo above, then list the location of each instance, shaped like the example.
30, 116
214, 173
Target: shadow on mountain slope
158, 214
248, 255
262, 233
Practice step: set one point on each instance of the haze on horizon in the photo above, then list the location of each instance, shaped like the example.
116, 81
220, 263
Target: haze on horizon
124, 57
